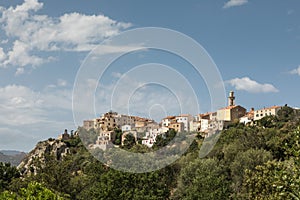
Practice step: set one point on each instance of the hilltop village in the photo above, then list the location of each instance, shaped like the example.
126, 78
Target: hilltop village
207, 123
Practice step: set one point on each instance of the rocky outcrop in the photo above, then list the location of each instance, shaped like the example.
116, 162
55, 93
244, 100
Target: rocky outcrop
37, 157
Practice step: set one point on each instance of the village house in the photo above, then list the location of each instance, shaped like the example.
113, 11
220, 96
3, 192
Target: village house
88, 124
259, 114
150, 137
185, 119
126, 128
248, 118
232, 112
104, 140
177, 126
167, 121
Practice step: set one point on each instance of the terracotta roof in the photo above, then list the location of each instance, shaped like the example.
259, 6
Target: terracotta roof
249, 114
208, 113
228, 107
169, 117
272, 107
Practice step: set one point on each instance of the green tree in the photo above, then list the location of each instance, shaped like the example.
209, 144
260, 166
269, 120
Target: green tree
163, 140
34, 191
7, 174
118, 139
246, 160
273, 180
286, 114
202, 179
129, 141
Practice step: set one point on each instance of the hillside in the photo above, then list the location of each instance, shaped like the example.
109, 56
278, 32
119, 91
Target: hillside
248, 162
13, 157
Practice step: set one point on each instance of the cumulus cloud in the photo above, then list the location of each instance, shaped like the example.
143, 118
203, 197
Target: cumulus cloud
233, 3
296, 71
251, 86
21, 105
31, 116
2, 55
33, 33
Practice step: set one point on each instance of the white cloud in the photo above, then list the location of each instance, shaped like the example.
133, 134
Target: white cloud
41, 33
2, 55
20, 56
29, 116
251, 86
296, 71
109, 49
20, 105
232, 3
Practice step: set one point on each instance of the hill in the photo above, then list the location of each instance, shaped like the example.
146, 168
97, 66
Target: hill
11, 156
248, 162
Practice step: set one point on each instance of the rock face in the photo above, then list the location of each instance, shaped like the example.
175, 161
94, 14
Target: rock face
52, 147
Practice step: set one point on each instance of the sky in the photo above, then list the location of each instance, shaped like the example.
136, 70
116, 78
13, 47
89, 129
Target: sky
46, 46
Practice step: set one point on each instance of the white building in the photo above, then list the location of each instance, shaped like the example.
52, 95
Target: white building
185, 119
248, 118
126, 128
151, 135
195, 126
259, 114
204, 125
167, 121
148, 142
245, 120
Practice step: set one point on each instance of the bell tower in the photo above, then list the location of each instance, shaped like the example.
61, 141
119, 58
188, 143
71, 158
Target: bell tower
231, 99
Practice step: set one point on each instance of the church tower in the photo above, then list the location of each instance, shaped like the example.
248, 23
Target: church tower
231, 99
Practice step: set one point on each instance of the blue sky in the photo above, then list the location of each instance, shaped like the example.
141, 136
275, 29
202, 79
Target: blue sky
254, 44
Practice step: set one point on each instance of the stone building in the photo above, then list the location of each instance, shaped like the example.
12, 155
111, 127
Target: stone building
232, 112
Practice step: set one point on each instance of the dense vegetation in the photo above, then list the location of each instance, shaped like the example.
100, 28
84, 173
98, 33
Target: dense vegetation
248, 162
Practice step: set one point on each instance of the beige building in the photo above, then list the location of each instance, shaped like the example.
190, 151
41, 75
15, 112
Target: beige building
259, 114
88, 124
167, 121
208, 116
177, 126
104, 140
185, 119
232, 112
112, 120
